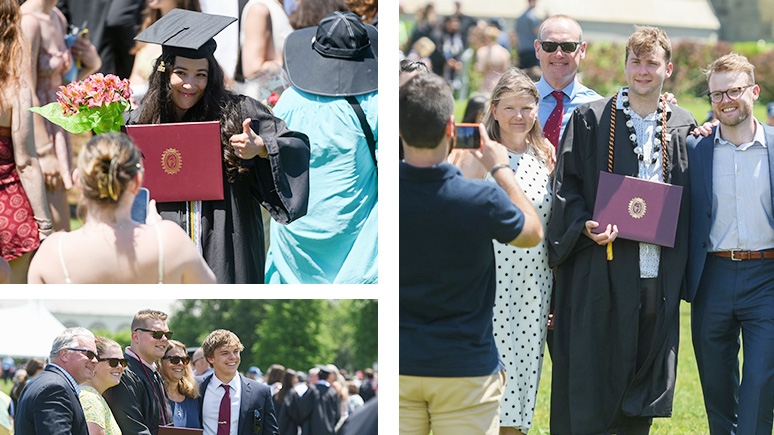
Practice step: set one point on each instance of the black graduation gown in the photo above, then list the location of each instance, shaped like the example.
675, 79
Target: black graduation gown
232, 229
596, 386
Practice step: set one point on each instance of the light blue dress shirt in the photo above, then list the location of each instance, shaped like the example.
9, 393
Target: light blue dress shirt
575, 94
741, 195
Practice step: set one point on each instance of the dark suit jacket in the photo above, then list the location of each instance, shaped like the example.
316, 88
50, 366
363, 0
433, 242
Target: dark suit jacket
255, 398
137, 400
50, 405
700, 152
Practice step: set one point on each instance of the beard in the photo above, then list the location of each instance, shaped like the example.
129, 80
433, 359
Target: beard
744, 112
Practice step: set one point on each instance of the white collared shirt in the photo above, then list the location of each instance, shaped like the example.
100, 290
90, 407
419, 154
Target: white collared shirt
211, 404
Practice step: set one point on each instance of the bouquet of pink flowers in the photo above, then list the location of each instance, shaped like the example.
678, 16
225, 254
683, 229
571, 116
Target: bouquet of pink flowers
96, 103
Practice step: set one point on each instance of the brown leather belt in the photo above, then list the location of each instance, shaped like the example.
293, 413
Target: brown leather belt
745, 255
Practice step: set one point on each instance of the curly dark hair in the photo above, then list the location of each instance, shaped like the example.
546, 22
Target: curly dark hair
217, 104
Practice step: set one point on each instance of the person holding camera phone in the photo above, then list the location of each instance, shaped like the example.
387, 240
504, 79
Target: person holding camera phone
229, 399
110, 247
451, 377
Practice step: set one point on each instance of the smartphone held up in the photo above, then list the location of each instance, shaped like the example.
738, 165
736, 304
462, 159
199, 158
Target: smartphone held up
468, 136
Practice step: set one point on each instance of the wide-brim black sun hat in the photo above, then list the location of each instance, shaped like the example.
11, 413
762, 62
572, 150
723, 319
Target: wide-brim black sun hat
337, 58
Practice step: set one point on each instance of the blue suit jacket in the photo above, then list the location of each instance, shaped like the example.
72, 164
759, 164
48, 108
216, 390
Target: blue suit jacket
50, 405
255, 398
700, 152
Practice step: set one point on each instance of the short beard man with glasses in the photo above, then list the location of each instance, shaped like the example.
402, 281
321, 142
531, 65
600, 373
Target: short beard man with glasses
731, 263
139, 401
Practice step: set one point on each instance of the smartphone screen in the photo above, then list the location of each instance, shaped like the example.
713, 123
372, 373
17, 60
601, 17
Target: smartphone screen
140, 205
468, 136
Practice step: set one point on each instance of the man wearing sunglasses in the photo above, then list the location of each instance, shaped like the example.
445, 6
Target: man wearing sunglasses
731, 263
229, 402
50, 404
560, 48
139, 401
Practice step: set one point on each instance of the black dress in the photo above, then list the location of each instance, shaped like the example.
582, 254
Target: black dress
232, 229
597, 385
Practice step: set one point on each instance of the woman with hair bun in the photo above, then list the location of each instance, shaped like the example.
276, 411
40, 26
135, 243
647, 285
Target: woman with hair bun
110, 247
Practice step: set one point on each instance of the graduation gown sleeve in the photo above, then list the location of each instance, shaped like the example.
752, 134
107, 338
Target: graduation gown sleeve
282, 180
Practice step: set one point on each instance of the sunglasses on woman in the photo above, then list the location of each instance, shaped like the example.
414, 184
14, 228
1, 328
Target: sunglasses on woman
114, 362
567, 47
177, 359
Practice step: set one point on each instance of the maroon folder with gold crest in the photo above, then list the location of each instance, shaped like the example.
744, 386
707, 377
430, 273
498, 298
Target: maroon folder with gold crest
644, 211
183, 161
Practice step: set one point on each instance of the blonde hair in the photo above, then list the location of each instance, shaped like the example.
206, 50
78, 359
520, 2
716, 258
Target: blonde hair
187, 385
219, 338
731, 62
515, 82
104, 343
140, 319
645, 39
106, 165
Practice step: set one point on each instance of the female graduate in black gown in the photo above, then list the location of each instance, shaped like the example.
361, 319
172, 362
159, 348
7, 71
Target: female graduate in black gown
264, 163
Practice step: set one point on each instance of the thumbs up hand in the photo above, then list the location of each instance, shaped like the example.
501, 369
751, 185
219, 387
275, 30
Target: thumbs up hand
248, 144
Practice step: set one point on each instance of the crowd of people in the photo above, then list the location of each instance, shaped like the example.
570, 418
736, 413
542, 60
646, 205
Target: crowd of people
501, 256
91, 386
310, 164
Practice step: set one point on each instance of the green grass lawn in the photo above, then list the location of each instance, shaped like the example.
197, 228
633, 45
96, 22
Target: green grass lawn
689, 417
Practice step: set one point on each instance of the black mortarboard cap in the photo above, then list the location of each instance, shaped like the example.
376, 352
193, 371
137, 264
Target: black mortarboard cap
186, 33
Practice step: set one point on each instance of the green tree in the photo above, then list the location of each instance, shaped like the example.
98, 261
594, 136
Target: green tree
297, 333
365, 314
196, 318
293, 334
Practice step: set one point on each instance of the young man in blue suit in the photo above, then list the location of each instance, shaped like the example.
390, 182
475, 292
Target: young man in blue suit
231, 404
730, 279
49, 403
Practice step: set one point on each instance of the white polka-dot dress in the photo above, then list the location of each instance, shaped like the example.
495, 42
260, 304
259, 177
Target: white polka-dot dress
521, 307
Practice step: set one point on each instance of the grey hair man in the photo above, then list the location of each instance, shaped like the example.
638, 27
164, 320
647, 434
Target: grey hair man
50, 404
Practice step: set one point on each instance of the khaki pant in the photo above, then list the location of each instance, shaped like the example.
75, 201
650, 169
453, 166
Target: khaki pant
450, 406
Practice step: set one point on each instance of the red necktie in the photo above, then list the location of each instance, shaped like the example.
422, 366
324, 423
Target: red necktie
224, 415
554, 122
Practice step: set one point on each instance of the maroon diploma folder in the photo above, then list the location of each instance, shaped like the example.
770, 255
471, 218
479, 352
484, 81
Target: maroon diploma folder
645, 211
183, 161
169, 430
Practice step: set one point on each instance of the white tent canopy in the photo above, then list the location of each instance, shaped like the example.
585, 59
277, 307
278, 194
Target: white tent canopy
29, 330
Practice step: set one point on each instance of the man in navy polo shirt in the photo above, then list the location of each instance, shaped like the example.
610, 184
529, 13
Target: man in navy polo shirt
451, 379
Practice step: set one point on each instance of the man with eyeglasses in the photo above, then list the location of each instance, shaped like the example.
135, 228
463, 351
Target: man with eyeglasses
229, 402
139, 401
616, 325
731, 263
560, 48
49, 404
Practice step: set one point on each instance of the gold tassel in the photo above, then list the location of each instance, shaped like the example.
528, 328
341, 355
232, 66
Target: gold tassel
609, 251
161, 67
